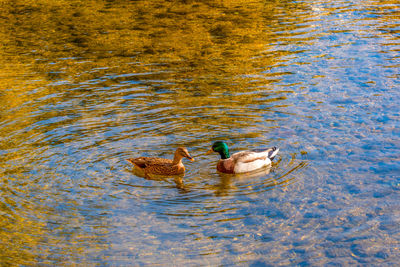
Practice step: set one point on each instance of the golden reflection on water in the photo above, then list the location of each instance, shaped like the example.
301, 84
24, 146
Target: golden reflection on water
60, 54
206, 37
17, 228
201, 51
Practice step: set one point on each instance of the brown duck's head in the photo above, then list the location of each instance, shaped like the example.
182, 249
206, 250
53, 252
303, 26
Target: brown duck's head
183, 153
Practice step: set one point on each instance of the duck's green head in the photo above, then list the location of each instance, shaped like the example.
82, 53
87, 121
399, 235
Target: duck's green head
221, 148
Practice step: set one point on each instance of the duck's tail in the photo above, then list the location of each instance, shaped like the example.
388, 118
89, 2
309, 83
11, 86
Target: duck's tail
136, 163
273, 152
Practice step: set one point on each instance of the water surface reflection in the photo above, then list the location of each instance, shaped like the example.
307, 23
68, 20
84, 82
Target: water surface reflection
86, 85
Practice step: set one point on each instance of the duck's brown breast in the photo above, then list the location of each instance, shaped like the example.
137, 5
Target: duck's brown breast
225, 166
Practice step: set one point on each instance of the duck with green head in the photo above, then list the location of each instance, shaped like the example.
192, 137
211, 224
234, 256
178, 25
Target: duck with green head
243, 161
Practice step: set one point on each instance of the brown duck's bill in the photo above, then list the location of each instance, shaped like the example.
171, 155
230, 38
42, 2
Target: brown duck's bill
189, 158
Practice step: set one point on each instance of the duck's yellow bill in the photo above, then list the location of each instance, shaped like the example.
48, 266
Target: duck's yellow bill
191, 159
209, 151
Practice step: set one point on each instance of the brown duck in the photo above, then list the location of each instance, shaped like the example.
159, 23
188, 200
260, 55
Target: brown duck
160, 166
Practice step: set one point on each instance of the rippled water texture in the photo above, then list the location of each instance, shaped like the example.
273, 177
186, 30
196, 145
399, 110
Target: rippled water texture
88, 84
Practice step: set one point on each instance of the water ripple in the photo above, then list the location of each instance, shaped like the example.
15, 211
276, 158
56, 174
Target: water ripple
84, 87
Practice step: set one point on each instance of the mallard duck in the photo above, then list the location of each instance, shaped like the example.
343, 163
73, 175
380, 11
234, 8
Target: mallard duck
243, 161
160, 166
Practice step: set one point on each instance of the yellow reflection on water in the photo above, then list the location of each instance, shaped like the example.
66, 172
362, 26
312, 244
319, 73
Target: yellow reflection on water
206, 52
18, 232
67, 63
206, 38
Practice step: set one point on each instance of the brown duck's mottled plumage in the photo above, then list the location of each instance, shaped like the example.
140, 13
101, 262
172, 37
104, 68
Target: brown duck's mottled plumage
160, 166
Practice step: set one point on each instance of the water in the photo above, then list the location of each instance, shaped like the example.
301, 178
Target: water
87, 84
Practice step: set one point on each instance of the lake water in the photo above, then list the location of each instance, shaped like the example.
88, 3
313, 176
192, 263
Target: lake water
88, 84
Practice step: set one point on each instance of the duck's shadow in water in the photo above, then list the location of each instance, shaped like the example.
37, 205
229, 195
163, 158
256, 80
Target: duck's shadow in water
225, 184
177, 179
281, 178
